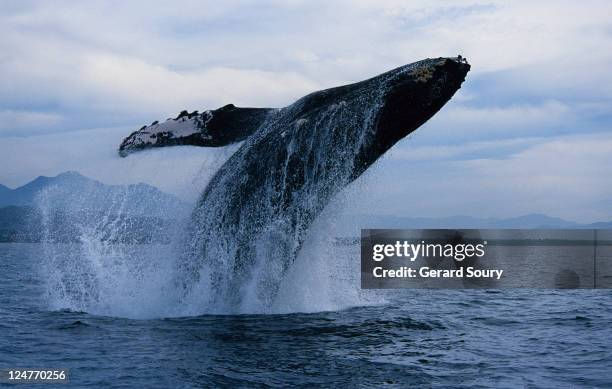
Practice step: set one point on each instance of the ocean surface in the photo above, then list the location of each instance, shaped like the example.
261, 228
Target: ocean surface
412, 338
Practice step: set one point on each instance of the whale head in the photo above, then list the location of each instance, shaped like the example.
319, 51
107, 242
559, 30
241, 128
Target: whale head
415, 93
412, 95
367, 118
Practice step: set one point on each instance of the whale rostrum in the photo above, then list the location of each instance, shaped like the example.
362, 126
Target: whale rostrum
253, 216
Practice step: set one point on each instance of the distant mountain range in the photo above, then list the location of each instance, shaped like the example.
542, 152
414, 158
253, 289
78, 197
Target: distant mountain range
141, 213
350, 225
73, 190
68, 203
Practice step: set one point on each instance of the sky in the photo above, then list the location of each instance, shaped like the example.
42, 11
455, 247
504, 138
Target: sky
529, 132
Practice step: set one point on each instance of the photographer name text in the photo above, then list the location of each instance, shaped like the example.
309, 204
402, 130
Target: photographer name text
411, 252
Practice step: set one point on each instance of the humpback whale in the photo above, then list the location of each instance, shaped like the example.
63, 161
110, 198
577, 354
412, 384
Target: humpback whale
253, 216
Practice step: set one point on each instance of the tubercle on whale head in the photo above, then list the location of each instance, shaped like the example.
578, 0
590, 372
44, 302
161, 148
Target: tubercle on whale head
414, 93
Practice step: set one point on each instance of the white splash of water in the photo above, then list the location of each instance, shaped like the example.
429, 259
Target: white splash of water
91, 265
250, 246
88, 267
250, 229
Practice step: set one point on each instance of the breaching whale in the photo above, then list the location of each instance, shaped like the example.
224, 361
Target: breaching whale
252, 218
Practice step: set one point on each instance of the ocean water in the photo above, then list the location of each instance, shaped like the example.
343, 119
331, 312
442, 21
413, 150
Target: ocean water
416, 338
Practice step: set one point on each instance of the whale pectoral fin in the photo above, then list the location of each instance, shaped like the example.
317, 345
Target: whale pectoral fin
220, 127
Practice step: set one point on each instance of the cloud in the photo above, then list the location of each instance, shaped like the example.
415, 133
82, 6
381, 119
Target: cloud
16, 122
468, 122
413, 152
101, 64
134, 84
564, 176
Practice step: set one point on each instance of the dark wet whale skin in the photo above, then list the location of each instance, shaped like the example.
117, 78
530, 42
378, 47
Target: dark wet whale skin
252, 218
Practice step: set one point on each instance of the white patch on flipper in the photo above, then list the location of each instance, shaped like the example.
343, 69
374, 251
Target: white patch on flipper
174, 128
